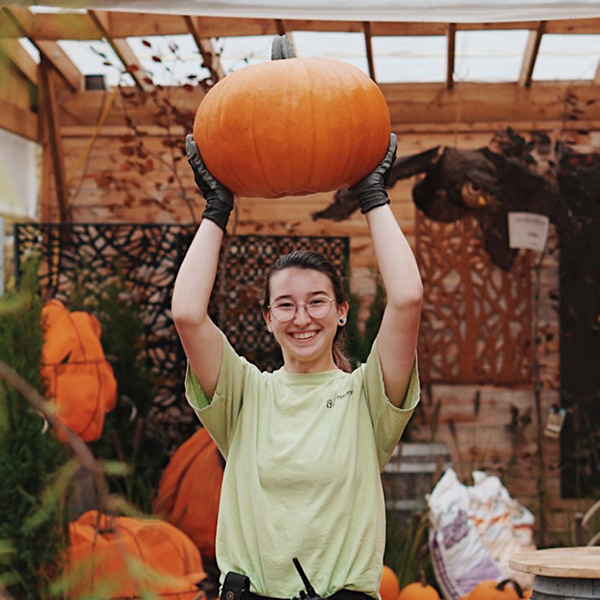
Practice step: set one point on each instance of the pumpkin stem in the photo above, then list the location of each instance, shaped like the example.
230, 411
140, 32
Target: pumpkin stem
282, 48
517, 587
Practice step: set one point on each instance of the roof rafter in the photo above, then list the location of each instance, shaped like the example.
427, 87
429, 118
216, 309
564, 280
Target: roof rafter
531, 53
20, 58
209, 55
450, 54
369, 49
23, 20
122, 49
280, 26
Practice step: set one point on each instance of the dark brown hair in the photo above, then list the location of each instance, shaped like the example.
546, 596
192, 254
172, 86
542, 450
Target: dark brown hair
306, 259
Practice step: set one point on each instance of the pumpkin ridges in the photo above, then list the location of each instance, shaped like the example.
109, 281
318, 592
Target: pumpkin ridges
355, 130
319, 159
373, 141
227, 107
307, 122
353, 127
258, 157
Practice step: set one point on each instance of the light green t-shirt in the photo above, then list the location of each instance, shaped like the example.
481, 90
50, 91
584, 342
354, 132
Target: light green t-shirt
304, 454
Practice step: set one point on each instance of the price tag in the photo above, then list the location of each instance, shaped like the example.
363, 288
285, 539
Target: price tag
554, 424
527, 230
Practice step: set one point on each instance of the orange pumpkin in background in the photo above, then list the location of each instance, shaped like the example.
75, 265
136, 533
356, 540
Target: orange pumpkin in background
389, 587
124, 557
418, 591
189, 490
507, 589
78, 378
292, 127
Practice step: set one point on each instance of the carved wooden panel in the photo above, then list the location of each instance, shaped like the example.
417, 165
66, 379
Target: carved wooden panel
148, 258
476, 323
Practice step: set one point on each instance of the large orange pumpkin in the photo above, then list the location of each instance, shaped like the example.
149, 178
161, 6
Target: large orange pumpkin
389, 587
189, 490
418, 591
292, 127
490, 589
124, 556
79, 380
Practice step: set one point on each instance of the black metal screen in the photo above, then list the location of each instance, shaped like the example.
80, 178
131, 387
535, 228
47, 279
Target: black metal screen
147, 257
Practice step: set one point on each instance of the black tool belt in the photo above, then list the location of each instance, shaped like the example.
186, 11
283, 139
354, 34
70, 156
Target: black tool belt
237, 587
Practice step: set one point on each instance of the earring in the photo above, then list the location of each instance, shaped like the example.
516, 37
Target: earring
269, 328
342, 321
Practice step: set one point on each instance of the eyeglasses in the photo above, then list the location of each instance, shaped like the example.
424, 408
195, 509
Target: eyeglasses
285, 310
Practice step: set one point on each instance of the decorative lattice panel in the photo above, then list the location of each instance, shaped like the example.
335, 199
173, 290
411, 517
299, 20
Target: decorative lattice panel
148, 258
476, 323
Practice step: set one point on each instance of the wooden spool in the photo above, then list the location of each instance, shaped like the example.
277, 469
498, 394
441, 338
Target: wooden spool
562, 573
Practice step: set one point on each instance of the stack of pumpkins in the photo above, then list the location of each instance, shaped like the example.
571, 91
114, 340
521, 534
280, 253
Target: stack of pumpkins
108, 555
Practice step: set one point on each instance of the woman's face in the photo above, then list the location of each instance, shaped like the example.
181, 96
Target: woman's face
306, 342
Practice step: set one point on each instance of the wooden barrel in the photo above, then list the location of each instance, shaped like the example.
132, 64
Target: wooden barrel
562, 573
410, 475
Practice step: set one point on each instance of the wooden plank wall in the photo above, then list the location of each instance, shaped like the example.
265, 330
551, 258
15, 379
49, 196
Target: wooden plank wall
109, 184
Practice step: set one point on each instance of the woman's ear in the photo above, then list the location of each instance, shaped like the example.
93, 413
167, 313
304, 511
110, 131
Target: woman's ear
268, 322
342, 312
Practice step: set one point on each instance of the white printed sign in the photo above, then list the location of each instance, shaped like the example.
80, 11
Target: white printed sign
527, 230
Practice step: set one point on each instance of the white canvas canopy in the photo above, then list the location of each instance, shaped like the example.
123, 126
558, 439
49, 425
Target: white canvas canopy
448, 11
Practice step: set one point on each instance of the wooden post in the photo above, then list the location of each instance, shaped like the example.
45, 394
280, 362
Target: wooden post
49, 110
537, 394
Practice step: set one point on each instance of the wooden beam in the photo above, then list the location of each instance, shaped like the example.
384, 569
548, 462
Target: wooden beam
8, 28
426, 104
79, 26
23, 19
122, 49
59, 59
64, 26
530, 56
18, 120
475, 102
369, 49
49, 106
14, 52
112, 131
210, 57
450, 54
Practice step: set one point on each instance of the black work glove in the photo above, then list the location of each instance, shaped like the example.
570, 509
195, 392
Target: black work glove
370, 191
219, 200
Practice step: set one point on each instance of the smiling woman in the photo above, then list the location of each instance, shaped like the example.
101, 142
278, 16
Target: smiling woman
305, 444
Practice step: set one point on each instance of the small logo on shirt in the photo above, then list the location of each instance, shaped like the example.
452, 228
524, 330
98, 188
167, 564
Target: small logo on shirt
331, 402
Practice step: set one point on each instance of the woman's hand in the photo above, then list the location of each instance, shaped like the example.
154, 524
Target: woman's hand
219, 200
370, 191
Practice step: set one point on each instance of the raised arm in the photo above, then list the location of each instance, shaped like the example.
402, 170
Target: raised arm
200, 337
397, 337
